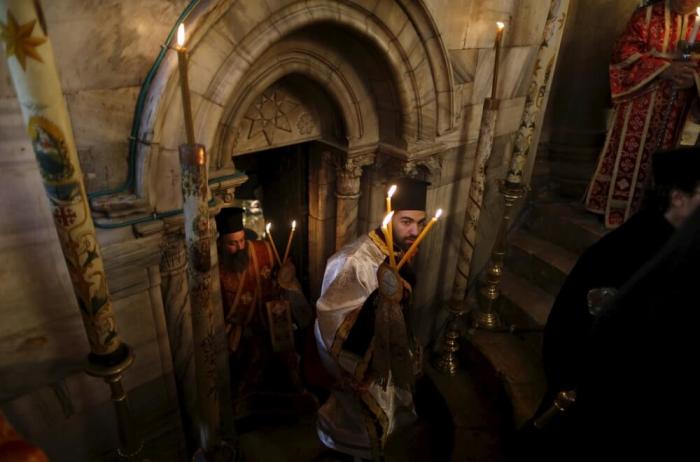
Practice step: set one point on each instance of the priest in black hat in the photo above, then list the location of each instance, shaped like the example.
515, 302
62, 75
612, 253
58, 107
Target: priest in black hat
609, 264
260, 374
369, 405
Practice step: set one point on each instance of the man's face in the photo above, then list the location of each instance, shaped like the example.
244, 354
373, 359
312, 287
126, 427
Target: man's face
233, 242
407, 226
684, 6
683, 205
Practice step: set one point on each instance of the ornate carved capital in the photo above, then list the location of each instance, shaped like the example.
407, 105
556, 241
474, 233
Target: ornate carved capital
349, 173
427, 168
173, 254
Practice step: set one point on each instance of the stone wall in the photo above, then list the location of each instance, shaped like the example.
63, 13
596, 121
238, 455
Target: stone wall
581, 93
104, 51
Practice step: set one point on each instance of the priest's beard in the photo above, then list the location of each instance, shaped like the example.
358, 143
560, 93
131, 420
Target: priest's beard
235, 262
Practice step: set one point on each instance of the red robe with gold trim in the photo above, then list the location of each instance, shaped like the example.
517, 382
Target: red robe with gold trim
646, 116
244, 296
265, 383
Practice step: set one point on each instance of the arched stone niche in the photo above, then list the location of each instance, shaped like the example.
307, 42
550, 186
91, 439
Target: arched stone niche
292, 110
380, 64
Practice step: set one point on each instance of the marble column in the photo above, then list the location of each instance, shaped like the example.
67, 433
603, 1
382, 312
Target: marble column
174, 289
475, 199
348, 176
322, 212
538, 91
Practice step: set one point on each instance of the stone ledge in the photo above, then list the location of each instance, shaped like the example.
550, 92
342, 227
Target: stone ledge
519, 370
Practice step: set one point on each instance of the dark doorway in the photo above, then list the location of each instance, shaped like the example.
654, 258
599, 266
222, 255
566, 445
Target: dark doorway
278, 179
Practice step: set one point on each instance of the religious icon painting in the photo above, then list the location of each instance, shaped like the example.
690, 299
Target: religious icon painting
279, 316
50, 147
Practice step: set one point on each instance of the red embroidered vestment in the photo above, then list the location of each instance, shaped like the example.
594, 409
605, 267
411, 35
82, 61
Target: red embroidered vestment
646, 117
244, 294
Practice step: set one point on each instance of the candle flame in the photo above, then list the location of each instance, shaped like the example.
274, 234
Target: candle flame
438, 214
294, 225
387, 219
268, 227
697, 11
181, 35
501, 25
392, 191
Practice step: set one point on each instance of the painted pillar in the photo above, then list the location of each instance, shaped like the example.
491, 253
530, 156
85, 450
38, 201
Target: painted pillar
198, 240
32, 66
484, 147
538, 90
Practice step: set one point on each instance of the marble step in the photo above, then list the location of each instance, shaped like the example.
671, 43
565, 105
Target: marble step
539, 261
504, 360
524, 308
524, 304
566, 224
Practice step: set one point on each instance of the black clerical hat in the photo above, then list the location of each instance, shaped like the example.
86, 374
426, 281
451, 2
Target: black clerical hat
410, 194
679, 168
229, 220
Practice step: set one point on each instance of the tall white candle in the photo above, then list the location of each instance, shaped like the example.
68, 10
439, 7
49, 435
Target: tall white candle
696, 27
414, 247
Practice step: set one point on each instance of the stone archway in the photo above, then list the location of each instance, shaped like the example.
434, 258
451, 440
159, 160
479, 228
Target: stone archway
238, 49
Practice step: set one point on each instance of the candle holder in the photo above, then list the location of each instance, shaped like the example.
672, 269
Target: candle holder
486, 315
130, 443
447, 362
289, 242
268, 231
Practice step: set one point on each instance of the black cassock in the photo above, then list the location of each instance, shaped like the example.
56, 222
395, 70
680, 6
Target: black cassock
609, 262
566, 347
638, 397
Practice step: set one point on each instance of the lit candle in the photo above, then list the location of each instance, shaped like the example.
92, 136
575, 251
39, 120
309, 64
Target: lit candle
289, 241
389, 195
414, 247
268, 231
389, 237
499, 37
696, 26
184, 84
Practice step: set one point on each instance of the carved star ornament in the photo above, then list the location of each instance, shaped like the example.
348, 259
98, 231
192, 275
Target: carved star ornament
19, 41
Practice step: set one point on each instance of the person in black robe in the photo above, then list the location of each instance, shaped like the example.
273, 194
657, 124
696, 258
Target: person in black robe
638, 396
609, 263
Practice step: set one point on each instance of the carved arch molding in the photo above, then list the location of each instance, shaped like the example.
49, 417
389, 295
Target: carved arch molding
363, 75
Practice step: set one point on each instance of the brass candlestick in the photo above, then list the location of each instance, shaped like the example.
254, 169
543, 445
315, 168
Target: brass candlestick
447, 361
130, 443
486, 316
562, 403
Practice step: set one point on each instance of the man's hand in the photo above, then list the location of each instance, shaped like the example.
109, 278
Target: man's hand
681, 74
349, 383
287, 276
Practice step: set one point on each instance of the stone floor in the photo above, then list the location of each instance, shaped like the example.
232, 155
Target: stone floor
480, 416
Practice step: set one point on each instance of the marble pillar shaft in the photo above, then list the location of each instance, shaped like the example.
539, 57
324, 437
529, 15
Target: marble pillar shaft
178, 316
32, 66
538, 89
475, 200
347, 205
195, 190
